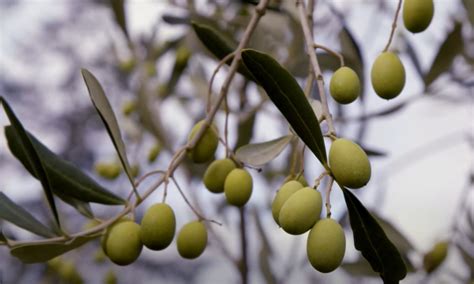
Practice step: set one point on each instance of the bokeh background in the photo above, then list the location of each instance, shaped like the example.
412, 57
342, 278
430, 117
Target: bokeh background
420, 144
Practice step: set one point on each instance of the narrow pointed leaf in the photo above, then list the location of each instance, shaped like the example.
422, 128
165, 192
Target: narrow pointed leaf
288, 97
102, 105
245, 130
218, 45
34, 253
82, 207
32, 158
66, 180
261, 153
449, 49
371, 241
15, 214
118, 8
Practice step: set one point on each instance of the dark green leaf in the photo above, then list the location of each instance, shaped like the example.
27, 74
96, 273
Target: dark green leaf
261, 153
288, 97
31, 157
118, 8
66, 180
398, 239
107, 115
373, 152
181, 62
15, 214
82, 207
450, 48
34, 253
371, 241
218, 45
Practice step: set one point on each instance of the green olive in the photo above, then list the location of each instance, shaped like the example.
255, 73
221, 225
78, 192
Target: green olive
192, 240
285, 191
205, 148
388, 75
238, 187
123, 245
349, 163
345, 85
417, 14
302, 209
326, 245
216, 173
158, 227
435, 257
109, 170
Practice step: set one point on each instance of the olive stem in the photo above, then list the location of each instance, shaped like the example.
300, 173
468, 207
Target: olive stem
213, 76
394, 26
330, 51
328, 196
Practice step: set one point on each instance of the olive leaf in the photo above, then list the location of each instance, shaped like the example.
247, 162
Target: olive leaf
66, 180
218, 45
32, 157
245, 129
261, 153
288, 97
42, 252
17, 215
107, 115
371, 241
118, 8
449, 49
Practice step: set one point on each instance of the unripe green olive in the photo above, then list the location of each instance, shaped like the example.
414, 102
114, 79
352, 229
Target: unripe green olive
108, 170
205, 148
302, 209
345, 85
326, 245
192, 240
103, 240
154, 152
68, 272
285, 191
349, 163
435, 257
110, 277
417, 14
129, 107
216, 173
123, 245
238, 187
388, 75
158, 227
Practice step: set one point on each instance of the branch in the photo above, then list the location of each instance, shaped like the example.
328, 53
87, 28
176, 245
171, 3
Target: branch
394, 26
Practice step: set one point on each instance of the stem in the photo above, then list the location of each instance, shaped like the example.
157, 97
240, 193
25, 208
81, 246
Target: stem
314, 63
330, 51
328, 196
243, 246
394, 26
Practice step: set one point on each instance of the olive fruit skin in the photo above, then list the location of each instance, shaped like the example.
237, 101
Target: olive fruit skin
326, 245
344, 85
238, 187
192, 240
388, 75
216, 173
301, 211
108, 170
158, 227
103, 240
285, 191
417, 14
349, 163
435, 257
123, 245
205, 148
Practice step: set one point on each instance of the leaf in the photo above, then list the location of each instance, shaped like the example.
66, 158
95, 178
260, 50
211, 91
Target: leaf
34, 253
218, 45
245, 129
107, 115
288, 97
261, 153
360, 267
469, 6
373, 152
82, 207
15, 214
31, 157
398, 239
66, 180
371, 241
449, 49
118, 8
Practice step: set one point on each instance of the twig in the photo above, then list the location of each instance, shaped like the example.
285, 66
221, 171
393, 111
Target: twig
314, 63
394, 25
328, 196
330, 51
211, 81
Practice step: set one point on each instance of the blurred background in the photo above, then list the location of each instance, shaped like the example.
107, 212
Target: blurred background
156, 73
